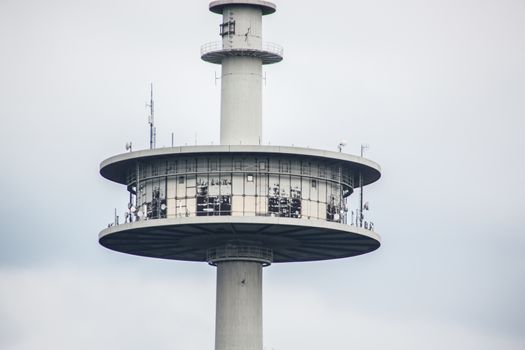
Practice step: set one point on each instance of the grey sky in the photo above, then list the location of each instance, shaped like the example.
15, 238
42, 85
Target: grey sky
437, 88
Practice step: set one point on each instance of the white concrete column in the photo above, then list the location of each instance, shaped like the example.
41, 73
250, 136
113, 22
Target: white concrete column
238, 323
241, 79
248, 27
241, 101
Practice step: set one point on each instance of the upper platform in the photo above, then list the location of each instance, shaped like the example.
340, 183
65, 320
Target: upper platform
266, 6
116, 168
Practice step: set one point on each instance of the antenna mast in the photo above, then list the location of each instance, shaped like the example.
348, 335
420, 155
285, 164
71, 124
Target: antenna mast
361, 216
151, 120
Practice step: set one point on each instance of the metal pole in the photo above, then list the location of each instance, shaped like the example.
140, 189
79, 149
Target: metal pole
361, 191
361, 200
151, 119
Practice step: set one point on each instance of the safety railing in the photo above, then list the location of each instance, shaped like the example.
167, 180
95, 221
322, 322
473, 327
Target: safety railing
349, 217
216, 46
233, 252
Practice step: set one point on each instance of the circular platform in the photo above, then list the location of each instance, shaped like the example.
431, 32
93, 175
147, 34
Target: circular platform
190, 238
214, 52
266, 6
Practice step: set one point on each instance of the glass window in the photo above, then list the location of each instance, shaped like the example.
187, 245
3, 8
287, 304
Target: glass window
190, 165
305, 169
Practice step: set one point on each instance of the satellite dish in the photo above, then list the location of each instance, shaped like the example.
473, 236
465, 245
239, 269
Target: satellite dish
129, 145
140, 214
163, 206
366, 206
341, 144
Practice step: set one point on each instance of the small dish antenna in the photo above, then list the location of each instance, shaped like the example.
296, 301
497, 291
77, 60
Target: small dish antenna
341, 144
129, 146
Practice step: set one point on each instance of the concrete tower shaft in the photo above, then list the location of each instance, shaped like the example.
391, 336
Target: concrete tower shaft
241, 101
241, 77
241, 54
239, 282
244, 29
239, 306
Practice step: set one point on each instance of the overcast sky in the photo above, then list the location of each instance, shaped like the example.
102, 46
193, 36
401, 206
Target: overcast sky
436, 87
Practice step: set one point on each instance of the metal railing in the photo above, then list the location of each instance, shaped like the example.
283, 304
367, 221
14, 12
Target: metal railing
216, 46
343, 217
233, 252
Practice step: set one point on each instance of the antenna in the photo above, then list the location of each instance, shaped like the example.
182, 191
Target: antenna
129, 146
341, 144
361, 216
151, 119
364, 146
154, 137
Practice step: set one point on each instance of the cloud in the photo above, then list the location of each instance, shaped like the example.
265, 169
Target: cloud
298, 318
75, 308
69, 308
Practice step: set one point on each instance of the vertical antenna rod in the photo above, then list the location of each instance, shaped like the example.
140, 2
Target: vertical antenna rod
361, 216
151, 120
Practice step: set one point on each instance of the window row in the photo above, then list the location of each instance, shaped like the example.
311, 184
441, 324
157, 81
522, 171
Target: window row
282, 165
239, 195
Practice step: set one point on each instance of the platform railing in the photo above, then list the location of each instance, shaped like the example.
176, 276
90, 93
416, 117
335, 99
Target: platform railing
351, 218
245, 253
216, 46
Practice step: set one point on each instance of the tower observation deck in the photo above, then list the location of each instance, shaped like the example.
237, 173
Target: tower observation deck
240, 206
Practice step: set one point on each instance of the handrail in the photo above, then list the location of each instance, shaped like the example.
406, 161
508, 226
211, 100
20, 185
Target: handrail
343, 218
233, 252
216, 46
